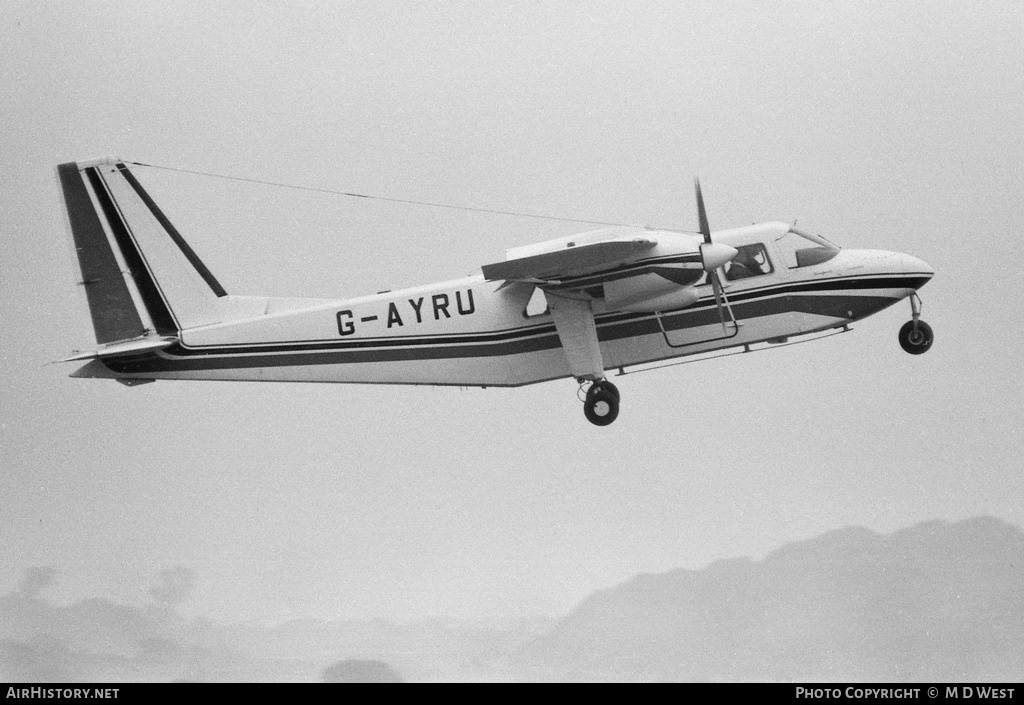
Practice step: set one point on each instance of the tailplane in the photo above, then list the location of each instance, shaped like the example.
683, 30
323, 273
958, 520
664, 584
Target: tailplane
142, 280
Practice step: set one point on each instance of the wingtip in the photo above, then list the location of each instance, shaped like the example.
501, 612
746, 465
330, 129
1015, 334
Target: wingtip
99, 161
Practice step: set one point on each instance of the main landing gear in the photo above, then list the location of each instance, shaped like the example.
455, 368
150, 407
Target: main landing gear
916, 336
601, 406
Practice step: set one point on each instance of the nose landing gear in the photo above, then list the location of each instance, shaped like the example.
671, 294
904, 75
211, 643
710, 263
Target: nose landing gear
601, 405
916, 336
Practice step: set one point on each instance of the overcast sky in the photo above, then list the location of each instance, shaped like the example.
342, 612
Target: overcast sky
882, 125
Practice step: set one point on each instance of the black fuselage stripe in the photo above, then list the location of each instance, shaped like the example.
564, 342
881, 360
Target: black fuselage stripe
893, 281
189, 253
158, 310
846, 307
392, 341
493, 337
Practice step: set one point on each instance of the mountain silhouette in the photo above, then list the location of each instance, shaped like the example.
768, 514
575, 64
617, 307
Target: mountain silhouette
936, 601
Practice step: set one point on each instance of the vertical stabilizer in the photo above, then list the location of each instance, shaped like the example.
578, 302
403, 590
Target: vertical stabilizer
140, 275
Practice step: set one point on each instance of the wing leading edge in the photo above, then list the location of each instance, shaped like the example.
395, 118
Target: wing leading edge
572, 259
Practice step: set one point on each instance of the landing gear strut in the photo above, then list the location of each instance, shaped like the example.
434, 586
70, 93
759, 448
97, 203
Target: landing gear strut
601, 406
916, 336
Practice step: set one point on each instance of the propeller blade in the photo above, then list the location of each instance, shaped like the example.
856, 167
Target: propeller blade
702, 215
713, 255
716, 286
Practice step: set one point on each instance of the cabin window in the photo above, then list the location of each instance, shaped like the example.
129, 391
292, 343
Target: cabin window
537, 305
750, 261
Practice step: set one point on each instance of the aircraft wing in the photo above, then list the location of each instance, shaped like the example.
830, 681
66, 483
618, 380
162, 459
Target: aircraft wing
572, 259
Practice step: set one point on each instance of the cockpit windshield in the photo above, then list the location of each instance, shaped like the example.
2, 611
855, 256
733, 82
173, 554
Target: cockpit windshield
802, 249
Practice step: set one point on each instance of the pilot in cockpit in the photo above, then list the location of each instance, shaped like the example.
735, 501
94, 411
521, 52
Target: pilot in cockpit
746, 264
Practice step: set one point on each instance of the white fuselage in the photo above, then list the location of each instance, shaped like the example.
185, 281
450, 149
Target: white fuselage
475, 332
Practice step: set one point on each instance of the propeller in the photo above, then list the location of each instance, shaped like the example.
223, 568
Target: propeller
713, 255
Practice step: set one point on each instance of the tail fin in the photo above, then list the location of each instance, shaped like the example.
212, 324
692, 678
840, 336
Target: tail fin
139, 274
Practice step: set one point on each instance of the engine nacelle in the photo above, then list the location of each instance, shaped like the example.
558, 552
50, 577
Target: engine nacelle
687, 296
647, 293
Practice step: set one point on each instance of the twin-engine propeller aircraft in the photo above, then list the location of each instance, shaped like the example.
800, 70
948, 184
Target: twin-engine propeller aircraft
571, 307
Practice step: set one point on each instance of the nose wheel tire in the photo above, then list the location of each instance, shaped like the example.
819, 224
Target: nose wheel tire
916, 337
601, 406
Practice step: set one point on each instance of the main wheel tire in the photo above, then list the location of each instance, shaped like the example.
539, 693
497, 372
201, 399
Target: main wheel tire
916, 339
601, 406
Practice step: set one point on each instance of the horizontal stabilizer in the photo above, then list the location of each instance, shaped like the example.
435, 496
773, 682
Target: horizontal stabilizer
131, 347
573, 259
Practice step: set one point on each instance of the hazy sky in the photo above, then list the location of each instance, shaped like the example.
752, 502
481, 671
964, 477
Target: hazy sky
884, 125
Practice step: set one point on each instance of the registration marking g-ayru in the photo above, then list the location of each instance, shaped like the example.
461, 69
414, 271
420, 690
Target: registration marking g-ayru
571, 307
